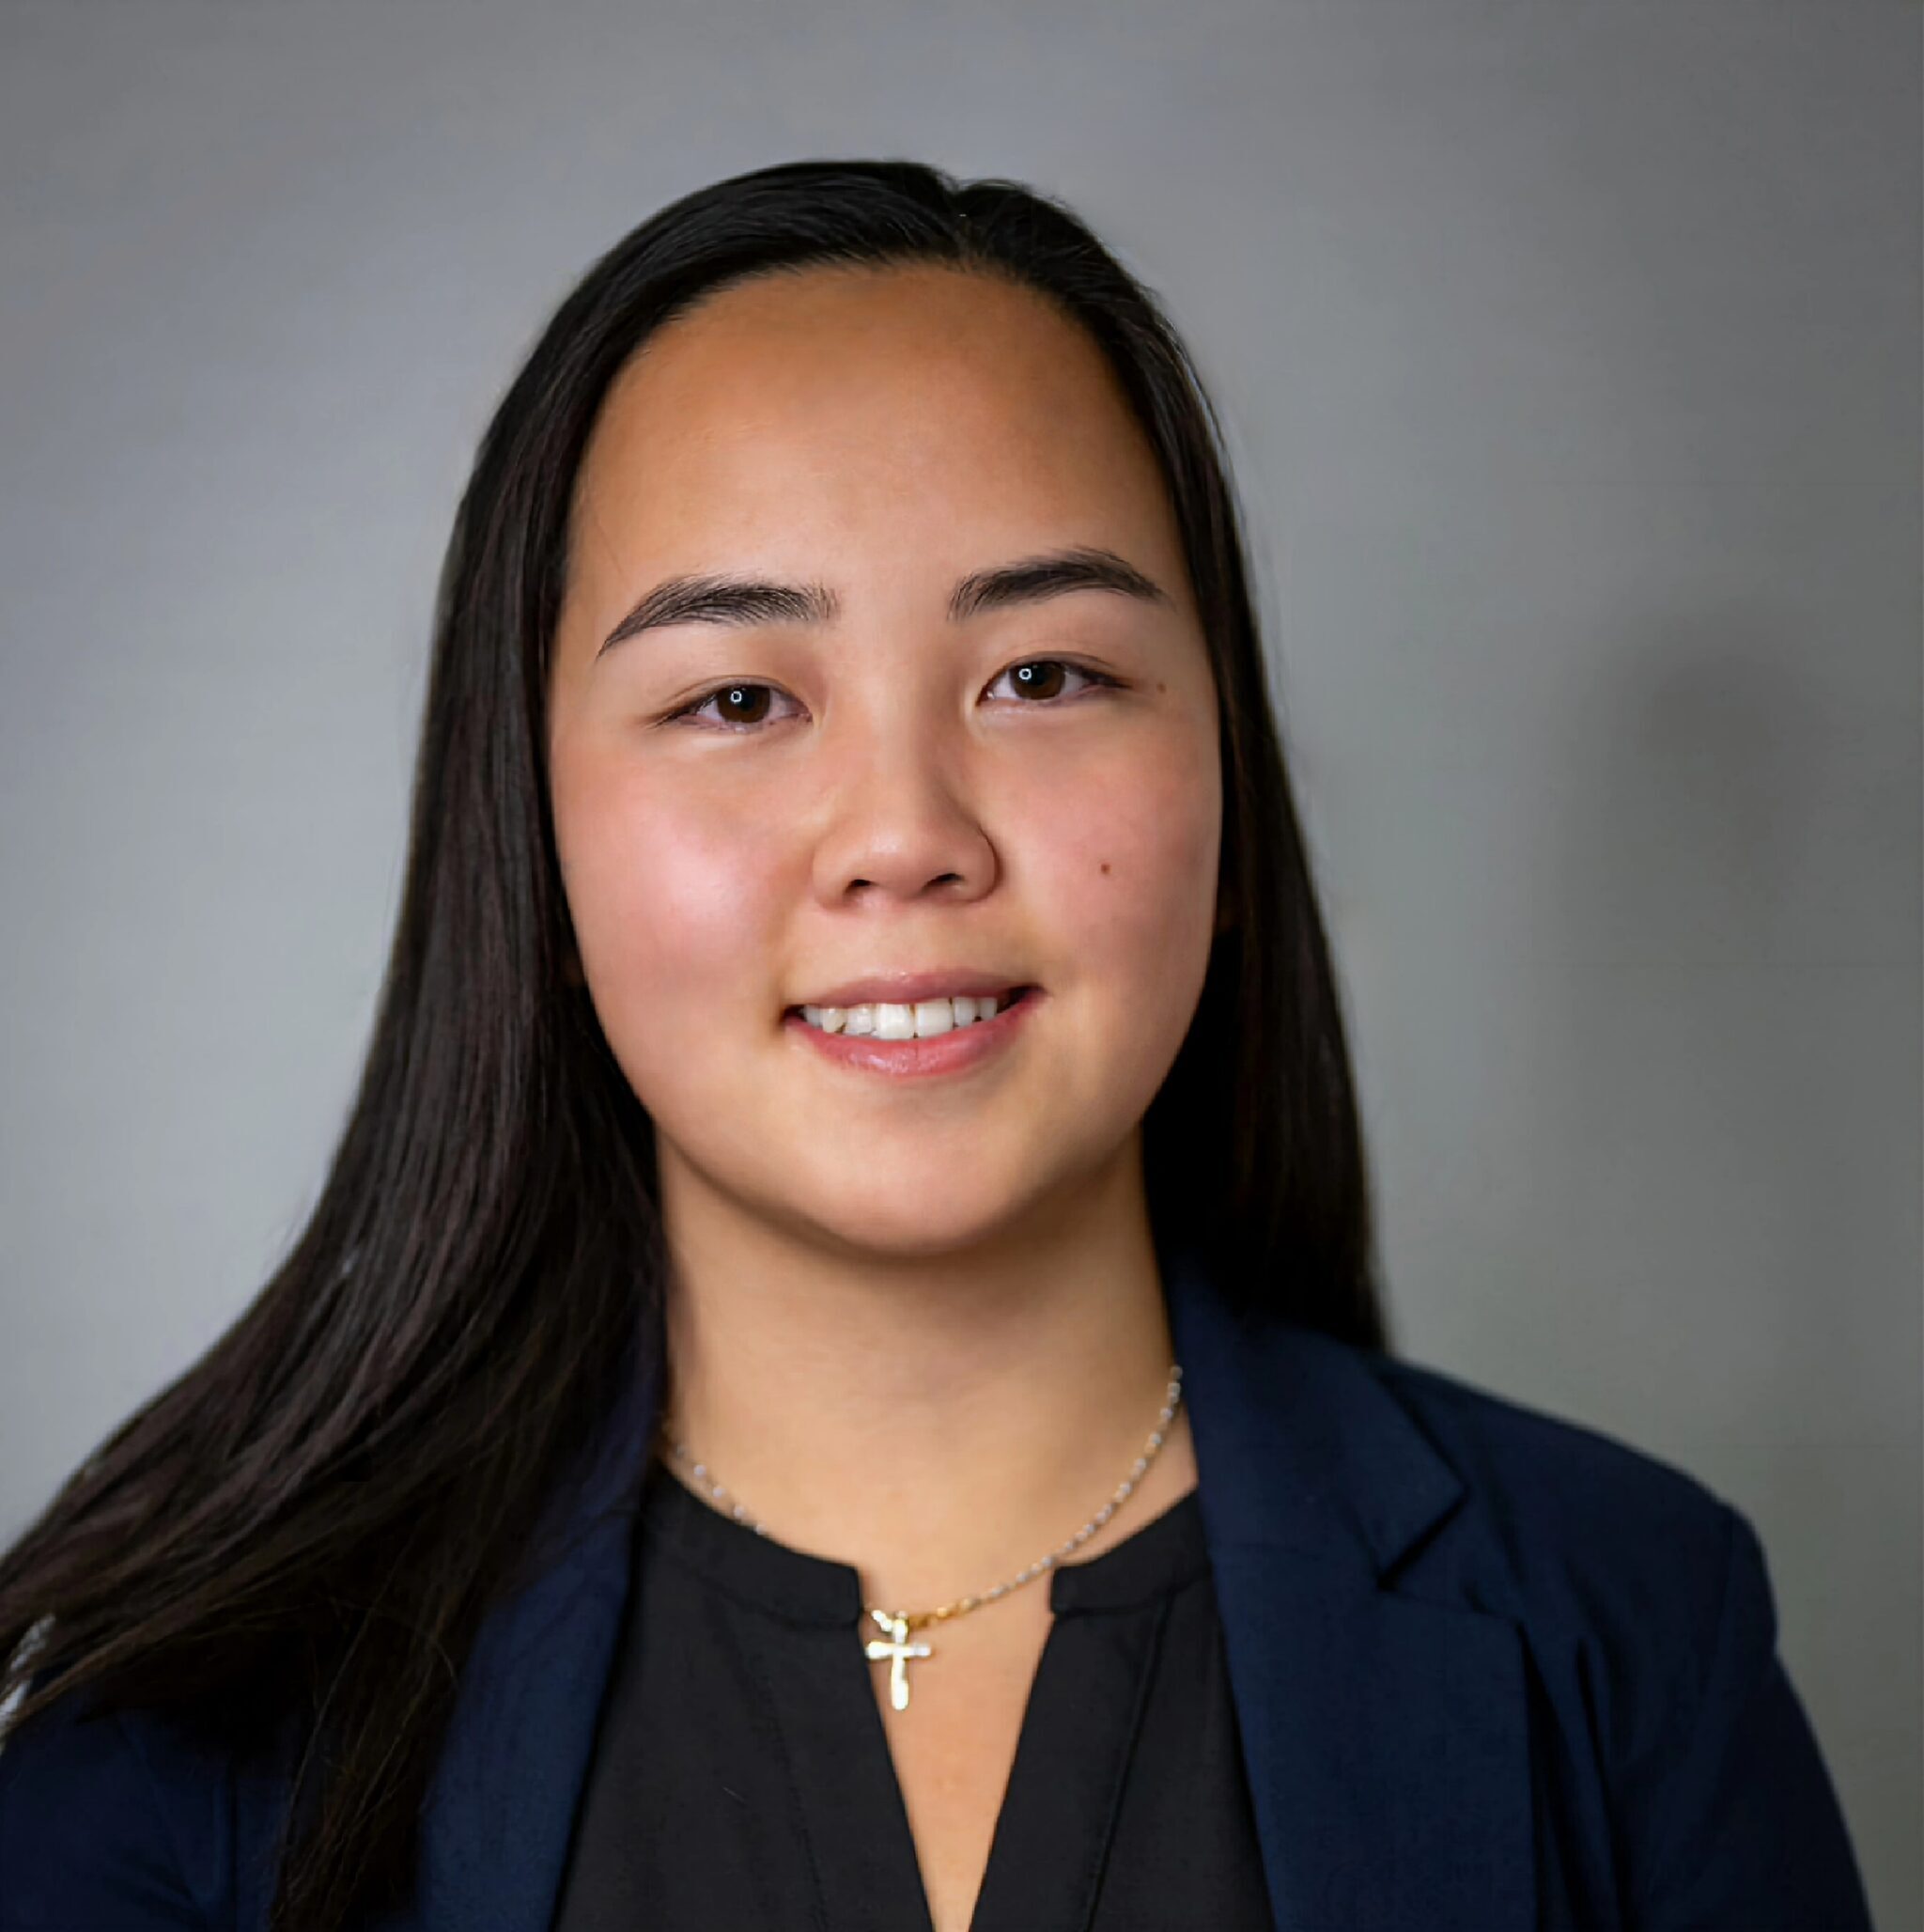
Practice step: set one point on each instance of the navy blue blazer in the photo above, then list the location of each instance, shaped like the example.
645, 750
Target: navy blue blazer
1493, 1672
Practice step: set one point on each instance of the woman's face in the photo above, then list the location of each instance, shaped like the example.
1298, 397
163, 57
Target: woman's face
753, 812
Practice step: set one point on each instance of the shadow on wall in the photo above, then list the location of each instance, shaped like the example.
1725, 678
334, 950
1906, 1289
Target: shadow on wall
1730, 1055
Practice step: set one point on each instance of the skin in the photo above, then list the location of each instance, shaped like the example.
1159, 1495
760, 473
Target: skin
914, 1326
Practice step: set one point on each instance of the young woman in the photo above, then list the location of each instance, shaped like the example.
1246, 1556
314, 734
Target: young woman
836, 1378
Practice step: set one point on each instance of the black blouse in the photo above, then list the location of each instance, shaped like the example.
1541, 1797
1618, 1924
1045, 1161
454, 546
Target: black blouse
741, 1774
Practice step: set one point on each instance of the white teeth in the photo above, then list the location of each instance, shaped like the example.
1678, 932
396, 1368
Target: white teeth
923, 1021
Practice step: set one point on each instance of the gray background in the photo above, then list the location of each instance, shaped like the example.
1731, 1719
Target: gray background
1570, 358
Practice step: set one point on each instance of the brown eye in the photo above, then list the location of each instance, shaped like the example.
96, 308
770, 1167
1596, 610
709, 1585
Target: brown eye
742, 704
1040, 680
737, 706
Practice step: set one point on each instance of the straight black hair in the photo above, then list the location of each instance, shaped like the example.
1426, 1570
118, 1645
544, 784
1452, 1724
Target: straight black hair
290, 1548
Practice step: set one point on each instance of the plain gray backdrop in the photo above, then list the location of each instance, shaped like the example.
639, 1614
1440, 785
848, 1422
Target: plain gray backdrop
1569, 356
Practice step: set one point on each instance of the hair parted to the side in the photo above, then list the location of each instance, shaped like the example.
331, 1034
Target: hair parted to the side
290, 1548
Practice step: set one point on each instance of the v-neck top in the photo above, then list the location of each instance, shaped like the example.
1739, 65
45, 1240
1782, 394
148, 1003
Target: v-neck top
741, 1774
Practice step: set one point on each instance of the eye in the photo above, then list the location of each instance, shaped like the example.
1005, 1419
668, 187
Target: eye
739, 694
1032, 677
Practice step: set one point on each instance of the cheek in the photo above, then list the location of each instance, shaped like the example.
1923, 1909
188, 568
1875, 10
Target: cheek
1132, 862
667, 902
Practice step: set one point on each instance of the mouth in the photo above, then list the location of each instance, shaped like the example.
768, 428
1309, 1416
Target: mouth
907, 1020
919, 1041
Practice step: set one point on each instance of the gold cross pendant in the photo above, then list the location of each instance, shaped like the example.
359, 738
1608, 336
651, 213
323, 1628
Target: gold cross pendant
898, 1650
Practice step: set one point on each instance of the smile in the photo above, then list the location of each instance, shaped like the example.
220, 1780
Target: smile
932, 1037
920, 1020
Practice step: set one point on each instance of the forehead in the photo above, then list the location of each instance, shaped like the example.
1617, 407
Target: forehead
832, 396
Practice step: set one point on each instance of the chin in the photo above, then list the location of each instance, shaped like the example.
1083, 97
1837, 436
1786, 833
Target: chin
913, 1230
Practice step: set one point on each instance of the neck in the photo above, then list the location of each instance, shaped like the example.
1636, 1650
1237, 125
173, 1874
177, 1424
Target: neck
939, 1422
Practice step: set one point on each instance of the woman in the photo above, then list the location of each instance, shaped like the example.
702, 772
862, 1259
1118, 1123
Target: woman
836, 1378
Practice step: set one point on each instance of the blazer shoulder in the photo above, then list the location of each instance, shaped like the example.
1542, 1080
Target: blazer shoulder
1647, 1604
1530, 1458
1572, 1524
111, 1818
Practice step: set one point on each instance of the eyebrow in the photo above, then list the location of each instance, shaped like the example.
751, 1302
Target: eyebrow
733, 601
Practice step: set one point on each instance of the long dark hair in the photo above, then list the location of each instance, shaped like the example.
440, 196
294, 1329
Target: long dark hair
308, 1524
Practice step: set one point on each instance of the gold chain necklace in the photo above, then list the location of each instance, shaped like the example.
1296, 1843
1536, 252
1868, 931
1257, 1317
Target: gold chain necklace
894, 1649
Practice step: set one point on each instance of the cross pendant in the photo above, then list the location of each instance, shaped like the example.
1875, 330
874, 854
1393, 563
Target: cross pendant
898, 1650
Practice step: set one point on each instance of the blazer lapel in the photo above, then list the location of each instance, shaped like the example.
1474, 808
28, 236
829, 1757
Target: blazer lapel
499, 1816
1384, 1737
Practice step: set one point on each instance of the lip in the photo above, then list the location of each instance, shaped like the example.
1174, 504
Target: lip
961, 1047
904, 988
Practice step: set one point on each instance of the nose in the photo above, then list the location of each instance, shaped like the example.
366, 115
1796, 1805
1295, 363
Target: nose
907, 830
